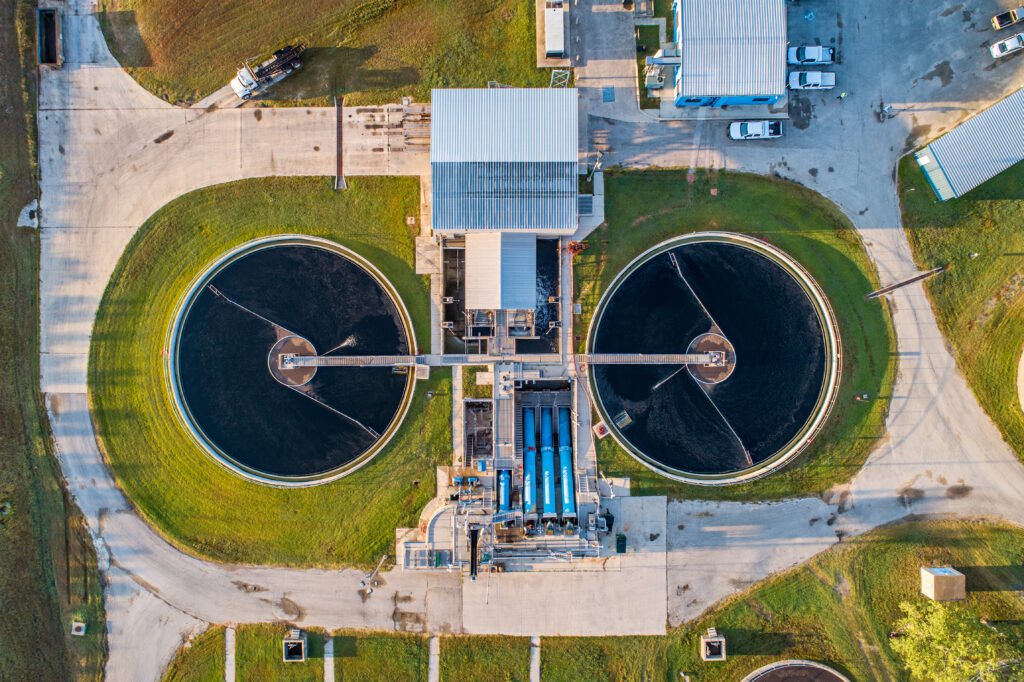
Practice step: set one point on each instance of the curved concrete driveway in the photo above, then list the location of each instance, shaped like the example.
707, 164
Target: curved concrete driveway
108, 163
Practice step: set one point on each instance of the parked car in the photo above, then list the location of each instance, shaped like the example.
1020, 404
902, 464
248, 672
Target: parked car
755, 130
812, 80
1008, 46
811, 54
1007, 19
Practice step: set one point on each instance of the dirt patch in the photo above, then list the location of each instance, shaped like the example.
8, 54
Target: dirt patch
163, 137
408, 621
956, 492
257, 114
950, 10
403, 598
654, 536
248, 587
813, 172
907, 495
918, 132
843, 586
290, 609
680, 589
681, 526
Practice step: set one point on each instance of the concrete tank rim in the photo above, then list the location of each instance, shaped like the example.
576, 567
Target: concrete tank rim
794, 663
833, 365
172, 379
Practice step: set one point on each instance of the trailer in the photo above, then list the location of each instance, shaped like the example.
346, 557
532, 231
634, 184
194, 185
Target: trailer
249, 82
51, 51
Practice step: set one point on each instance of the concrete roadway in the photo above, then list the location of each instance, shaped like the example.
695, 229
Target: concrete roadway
104, 172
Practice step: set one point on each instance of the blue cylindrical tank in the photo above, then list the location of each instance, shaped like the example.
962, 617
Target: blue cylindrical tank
504, 491
547, 461
565, 460
529, 462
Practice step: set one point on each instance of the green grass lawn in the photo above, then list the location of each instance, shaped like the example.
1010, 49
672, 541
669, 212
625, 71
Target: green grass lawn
380, 657
646, 208
496, 659
48, 572
201, 661
837, 609
470, 389
650, 39
978, 302
222, 516
258, 655
370, 51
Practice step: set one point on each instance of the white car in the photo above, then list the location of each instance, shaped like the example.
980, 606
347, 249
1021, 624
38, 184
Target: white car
812, 80
755, 130
1008, 46
811, 54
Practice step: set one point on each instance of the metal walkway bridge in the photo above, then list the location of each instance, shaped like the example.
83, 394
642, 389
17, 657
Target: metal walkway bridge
288, 361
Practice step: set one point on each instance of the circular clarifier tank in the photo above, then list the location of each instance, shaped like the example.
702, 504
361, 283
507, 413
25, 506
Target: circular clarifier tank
764, 358
278, 422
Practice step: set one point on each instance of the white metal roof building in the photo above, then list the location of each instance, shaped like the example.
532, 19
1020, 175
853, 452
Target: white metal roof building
501, 271
731, 51
504, 159
976, 150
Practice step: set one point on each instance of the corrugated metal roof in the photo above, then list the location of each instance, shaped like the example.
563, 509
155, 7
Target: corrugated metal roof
977, 149
534, 197
504, 159
501, 271
732, 47
504, 124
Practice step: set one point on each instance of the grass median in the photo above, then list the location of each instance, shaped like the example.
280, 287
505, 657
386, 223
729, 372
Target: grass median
978, 303
647, 207
195, 503
370, 51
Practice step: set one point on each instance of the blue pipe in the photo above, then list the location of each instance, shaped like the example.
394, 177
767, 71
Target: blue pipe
547, 461
529, 462
504, 494
565, 459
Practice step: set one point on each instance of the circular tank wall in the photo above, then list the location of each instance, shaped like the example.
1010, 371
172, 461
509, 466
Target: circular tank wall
735, 419
300, 296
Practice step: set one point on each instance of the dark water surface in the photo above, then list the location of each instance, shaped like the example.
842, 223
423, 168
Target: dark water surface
780, 358
225, 380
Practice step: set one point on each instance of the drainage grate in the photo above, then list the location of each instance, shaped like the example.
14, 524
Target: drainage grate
586, 204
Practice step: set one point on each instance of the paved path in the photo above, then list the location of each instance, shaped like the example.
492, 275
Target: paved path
111, 155
329, 659
229, 655
434, 671
535, 659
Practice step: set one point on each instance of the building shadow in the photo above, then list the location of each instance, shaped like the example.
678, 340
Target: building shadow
124, 38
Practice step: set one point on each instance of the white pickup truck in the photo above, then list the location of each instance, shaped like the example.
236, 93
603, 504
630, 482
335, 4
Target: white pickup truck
811, 54
812, 80
755, 130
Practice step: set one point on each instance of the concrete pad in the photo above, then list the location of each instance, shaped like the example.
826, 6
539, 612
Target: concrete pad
718, 548
624, 594
143, 632
627, 601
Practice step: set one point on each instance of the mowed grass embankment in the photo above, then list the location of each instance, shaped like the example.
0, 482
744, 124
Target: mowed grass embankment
201, 660
48, 572
370, 51
194, 502
644, 208
836, 609
977, 302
